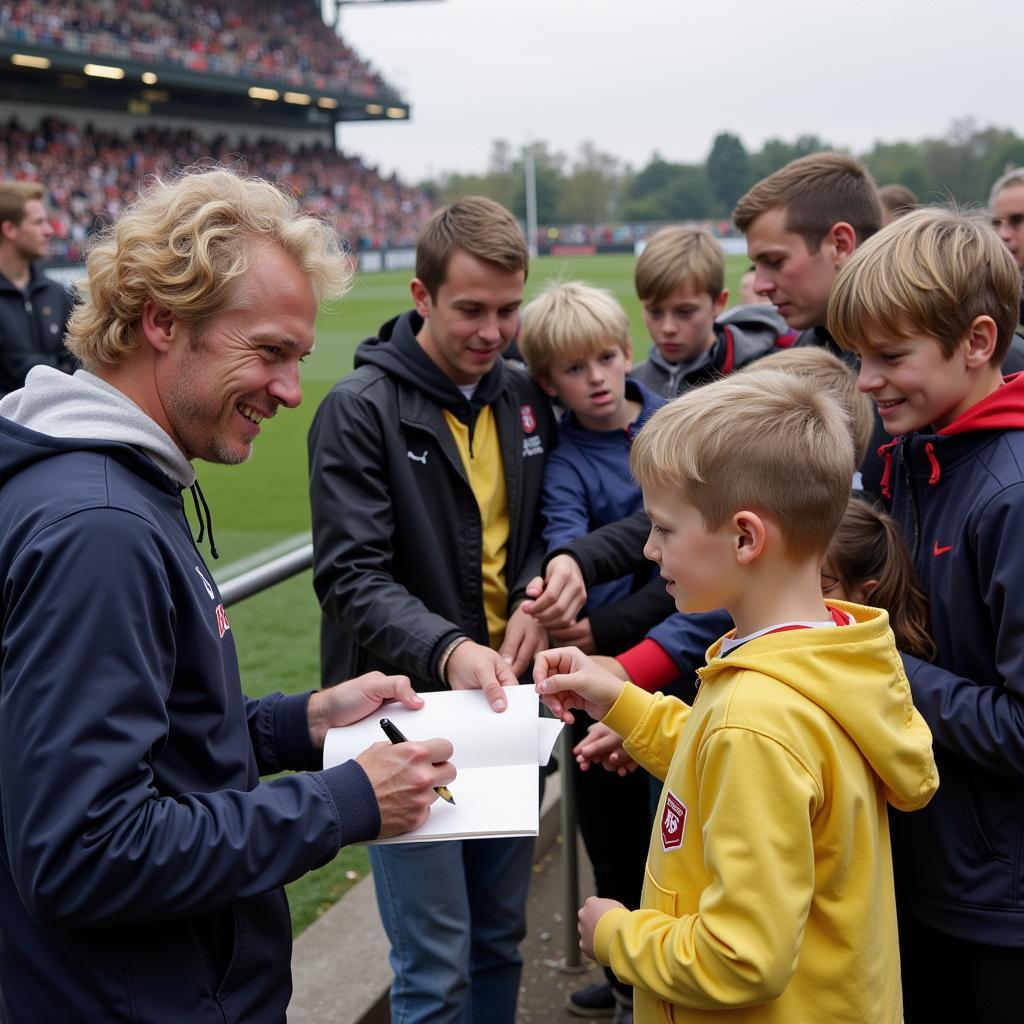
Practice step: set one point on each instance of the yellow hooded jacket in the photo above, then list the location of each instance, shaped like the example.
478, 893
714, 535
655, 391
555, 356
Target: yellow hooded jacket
768, 891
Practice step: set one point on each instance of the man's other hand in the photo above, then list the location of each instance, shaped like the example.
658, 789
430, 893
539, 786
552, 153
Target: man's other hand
353, 700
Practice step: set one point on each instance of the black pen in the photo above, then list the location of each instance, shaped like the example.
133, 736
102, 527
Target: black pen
394, 734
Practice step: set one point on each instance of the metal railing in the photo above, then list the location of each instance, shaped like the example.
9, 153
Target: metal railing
263, 577
283, 567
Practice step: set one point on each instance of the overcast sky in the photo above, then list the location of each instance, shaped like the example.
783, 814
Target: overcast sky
637, 76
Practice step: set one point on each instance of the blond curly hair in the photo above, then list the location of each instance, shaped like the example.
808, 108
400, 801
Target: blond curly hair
185, 243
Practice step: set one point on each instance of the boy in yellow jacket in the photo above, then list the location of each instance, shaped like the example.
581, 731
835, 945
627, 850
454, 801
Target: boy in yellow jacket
768, 893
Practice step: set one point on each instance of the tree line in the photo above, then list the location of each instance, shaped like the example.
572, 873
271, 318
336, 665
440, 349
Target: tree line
594, 187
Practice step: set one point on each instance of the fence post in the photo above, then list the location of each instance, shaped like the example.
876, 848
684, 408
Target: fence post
571, 961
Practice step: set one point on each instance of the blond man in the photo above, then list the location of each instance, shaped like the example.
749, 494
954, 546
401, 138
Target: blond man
34, 309
768, 894
143, 860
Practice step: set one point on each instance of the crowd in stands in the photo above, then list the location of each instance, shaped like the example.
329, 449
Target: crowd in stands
89, 174
284, 44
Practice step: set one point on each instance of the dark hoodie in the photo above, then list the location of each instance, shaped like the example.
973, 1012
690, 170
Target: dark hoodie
141, 858
587, 484
32, 326
959, 497
397, 533
736, 344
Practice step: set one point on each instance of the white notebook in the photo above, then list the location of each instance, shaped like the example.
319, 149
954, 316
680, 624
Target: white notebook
496, 756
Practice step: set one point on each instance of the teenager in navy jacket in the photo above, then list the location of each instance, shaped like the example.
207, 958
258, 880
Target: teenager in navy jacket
930, 306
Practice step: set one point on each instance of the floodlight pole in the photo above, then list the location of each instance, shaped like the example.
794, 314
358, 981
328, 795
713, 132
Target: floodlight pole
530, 167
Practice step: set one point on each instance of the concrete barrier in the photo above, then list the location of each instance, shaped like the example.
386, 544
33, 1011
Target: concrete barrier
340, 962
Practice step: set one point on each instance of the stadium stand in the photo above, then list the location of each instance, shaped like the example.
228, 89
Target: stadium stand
90, 173
247, 38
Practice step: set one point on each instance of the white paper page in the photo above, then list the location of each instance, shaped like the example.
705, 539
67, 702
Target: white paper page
481, 737
547, 733
494, 795
488, 802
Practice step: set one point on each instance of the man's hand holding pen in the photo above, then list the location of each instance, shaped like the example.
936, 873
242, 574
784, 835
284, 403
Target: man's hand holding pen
395, 735
405, 778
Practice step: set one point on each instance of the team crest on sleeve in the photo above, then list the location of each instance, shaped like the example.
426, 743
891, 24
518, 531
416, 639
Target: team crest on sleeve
673, 822
529, 420
222, 621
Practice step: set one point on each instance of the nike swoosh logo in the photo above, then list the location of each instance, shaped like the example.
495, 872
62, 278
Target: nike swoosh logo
941, 551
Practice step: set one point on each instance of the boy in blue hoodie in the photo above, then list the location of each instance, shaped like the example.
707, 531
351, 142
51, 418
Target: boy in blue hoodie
575, 340
930, 305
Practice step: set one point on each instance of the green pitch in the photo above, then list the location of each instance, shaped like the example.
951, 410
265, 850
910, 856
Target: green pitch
265, 502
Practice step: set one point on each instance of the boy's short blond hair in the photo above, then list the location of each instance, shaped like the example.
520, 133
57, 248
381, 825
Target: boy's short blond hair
831, 374
675, 257
815, 192
932, 272
769, 442
569, 320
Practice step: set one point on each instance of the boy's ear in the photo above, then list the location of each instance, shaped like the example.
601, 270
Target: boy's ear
627, 356
980, 341
159, 325
717, 305
420, 297
749, 536
842, 240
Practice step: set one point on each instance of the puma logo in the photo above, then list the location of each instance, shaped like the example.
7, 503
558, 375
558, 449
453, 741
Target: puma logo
418, 458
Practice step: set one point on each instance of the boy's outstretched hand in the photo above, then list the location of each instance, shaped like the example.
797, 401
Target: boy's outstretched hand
566, 678
590, 913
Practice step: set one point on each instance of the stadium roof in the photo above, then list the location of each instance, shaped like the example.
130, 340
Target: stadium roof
46, 75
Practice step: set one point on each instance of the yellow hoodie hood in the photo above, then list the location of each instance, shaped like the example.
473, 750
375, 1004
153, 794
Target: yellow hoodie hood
872, 706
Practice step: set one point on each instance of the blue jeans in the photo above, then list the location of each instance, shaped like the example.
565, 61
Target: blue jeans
455, 913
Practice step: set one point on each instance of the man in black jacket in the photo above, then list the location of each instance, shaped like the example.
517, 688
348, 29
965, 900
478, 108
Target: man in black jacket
425, 477
34, 309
